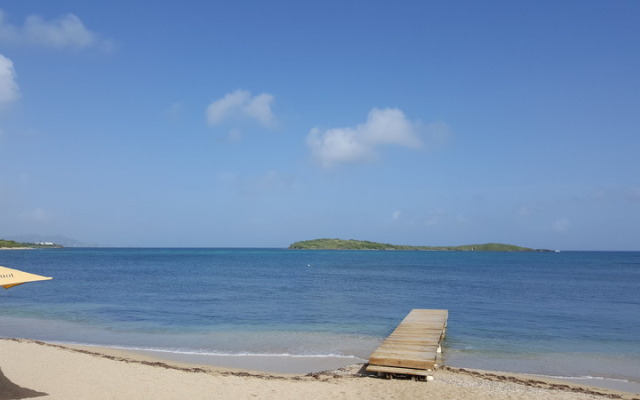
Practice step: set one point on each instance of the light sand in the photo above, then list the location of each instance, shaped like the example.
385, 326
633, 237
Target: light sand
30, 369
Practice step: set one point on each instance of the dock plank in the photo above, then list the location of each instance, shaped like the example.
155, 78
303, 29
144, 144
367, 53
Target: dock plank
412, 348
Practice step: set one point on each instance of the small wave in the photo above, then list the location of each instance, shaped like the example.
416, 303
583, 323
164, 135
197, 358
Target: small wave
587, 377
219, 353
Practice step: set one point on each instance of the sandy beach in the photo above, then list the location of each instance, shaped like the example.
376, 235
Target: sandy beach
31, 369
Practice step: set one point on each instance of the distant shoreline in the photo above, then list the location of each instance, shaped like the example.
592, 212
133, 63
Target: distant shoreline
13, 245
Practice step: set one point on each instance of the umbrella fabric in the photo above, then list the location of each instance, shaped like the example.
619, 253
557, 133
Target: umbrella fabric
11, 277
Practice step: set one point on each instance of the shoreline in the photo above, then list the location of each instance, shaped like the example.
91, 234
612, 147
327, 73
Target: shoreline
305, 364
68, 371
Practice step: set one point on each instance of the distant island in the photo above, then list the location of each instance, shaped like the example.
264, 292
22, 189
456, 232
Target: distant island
12, 244
341, 244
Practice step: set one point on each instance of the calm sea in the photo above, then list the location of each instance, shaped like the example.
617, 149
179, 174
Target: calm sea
568, 314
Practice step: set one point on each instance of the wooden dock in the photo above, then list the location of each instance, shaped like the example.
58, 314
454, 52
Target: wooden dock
413, 347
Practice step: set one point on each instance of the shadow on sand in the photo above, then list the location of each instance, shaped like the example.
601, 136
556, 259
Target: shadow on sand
11, 391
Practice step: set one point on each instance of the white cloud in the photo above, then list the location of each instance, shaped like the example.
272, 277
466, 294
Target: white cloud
260, 108
241, 105
66, 31
226, 106
387, 126
9, 91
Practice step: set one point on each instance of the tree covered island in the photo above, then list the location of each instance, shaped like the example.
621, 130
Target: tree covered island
351, 244
12, 244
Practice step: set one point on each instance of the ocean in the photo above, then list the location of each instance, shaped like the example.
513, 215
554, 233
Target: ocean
572, 315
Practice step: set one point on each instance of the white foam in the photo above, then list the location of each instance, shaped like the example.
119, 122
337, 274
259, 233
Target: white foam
217, 353
587, 377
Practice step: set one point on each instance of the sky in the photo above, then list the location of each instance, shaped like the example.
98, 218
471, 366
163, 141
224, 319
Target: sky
261, 123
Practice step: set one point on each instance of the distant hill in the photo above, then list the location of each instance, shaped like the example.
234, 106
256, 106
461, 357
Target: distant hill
341, 244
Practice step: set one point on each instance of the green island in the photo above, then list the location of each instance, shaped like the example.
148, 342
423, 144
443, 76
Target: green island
351, 244
12, 244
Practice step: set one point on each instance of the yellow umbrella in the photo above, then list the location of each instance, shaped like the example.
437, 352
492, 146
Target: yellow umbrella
13, 277
9, 278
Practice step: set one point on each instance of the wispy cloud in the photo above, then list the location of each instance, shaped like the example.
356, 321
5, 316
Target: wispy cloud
175, 110
240, 105
527, 210
435, 217
251, 186
633, 194
65, 32
35, 215
361, 143
9, 91
561, 224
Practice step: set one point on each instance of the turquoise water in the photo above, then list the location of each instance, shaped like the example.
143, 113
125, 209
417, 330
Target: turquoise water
570, 314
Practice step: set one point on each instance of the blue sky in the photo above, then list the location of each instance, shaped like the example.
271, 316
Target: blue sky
254, 123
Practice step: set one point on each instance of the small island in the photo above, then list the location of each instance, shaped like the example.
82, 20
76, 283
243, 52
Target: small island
12, 244
351, 244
